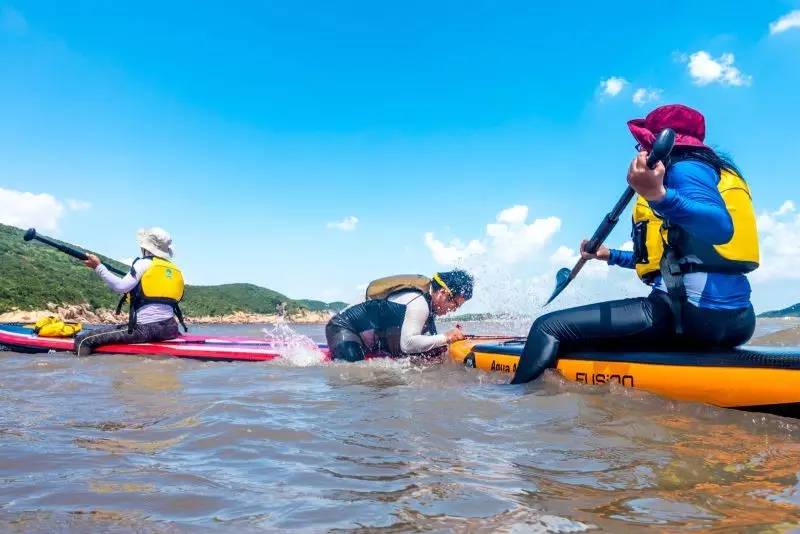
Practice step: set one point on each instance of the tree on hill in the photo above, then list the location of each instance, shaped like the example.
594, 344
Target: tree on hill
32, 275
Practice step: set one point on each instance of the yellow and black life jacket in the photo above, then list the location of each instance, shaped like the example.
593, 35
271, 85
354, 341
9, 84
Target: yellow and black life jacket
161, 283
663, 248
652, 236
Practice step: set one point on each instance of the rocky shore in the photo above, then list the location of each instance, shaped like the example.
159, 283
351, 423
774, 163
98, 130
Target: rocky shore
85, 314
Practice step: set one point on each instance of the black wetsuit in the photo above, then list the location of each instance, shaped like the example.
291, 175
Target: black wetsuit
716, 310
378, 320
631, 324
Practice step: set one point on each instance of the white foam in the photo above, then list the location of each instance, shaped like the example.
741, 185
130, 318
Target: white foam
294, 349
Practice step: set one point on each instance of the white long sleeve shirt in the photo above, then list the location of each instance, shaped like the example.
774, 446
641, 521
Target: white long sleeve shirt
149, 313
412, 340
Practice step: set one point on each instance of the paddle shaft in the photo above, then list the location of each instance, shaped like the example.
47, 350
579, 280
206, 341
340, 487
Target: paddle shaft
662, 147
605, 228
611, 219
75, 253
473, 336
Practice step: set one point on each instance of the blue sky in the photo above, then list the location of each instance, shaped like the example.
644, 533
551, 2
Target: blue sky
249, 129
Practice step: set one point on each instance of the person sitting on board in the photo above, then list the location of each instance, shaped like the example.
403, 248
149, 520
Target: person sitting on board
397, 317
694, 238
153, 287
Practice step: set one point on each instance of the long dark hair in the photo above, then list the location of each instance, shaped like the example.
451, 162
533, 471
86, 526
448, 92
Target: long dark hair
719, 161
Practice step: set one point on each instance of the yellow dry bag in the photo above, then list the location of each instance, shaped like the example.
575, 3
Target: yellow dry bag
54, 327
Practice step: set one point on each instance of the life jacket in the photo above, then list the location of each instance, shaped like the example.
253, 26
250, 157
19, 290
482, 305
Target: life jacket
383, 287
161, 283
661, 247
52, 326
382, 318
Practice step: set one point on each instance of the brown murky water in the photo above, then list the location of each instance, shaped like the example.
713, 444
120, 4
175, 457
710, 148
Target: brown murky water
118, 443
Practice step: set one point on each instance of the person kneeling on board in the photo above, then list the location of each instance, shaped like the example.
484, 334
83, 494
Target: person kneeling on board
153, 288
694, 238
398, 316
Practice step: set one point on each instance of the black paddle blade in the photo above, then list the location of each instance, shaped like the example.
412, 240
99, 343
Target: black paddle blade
562, 281
29, 234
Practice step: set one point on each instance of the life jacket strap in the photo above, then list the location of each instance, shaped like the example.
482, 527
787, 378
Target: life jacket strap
131, 320
179, 316
672, 275
121, 303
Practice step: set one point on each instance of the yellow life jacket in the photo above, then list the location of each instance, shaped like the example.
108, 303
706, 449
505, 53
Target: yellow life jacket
52, 326
652, 236
161, 283
383, 287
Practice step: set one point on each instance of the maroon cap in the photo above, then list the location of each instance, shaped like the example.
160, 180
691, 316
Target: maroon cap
688, 123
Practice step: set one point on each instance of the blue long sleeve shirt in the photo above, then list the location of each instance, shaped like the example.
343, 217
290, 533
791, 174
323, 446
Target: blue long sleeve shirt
693, 202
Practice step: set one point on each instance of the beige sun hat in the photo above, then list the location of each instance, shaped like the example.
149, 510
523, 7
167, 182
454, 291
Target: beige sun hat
156, 241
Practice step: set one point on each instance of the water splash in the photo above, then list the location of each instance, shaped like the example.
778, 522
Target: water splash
295, 349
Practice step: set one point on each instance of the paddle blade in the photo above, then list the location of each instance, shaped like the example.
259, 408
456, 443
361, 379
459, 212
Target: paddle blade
662, 148
562, 281
29, 234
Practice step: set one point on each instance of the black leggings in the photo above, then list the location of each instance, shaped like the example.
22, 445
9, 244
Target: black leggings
344, 344
629, 324
87, 341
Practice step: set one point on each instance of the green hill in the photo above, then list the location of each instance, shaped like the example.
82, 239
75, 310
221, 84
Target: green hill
318, 305
791, 311
33, 275
228, 298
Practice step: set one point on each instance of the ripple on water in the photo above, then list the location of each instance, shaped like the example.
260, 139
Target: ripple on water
125, 443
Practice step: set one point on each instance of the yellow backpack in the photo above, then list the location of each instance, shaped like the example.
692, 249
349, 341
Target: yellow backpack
54, 327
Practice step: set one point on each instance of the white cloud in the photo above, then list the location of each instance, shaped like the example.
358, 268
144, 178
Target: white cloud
513, 215
512, 240
613, 86
508, 240
517, 289
348, 224
705, 70
779, 239
23, 209
786, 207
787, 22
564, 256
453, 253
644, 96
78, 205
12, 21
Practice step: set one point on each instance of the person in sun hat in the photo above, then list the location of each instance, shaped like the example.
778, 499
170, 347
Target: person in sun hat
694, 239
153, 287
398, 316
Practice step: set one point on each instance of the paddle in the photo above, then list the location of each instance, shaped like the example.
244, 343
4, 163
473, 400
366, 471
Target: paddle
66, 249
662, 147
479, 337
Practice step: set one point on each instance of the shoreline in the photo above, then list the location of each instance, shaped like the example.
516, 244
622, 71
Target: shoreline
84, 314
777, 331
